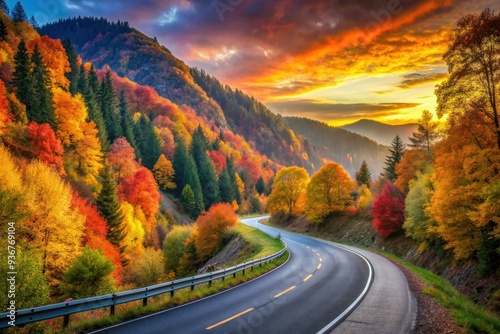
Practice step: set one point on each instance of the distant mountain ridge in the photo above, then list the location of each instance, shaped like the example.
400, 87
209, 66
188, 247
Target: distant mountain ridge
381, 132
339, 145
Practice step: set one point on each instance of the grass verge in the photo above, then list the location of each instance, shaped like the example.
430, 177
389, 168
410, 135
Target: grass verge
262, 245
464, 312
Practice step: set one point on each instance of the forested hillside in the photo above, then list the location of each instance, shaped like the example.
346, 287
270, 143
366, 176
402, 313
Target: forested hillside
339, 145
85, 153
132, 54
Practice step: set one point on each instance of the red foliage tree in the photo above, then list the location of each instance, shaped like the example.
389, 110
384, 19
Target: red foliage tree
46, 146
95, 233
5, 116
251, 166
218, 159
388, 210
122, 157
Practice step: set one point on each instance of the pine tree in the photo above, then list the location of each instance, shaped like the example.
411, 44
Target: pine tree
41, 108
3, 31
93, 80
109, 206
18, 13
94, 111
260, 186
74, 74
21, 77
34, 23
186, 173
206, 169
147, 141
127, 124
108, 108
4, 8
396, 153
427, 133
227, 193
363, 175
187, 199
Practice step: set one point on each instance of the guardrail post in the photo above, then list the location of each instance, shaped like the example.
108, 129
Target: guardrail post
192, 285
112, 310
243, 271
145, 301
66, 320
171, 293
234, 274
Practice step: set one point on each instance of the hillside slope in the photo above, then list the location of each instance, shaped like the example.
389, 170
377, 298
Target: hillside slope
133, 55
380, 132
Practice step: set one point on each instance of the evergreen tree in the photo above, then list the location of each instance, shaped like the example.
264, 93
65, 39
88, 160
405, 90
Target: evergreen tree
187, 199
206, 169
18, 13
34, 23
232, 177
128, 124
227, 194
41, 107
21, 76
427, 133
396, 153
3, 31
94, 111
4, 8
147, 142
363, 175
74, 74
260, 186
93, 80
108, 108
109, 206
187, 174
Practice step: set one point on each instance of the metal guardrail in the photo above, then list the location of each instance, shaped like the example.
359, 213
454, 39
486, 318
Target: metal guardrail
64, 309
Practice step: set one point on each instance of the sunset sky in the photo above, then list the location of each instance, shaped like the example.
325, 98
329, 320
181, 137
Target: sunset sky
336, 61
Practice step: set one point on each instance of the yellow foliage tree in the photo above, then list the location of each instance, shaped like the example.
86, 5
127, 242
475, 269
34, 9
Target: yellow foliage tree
53, 227
289, 191
71, 115
365, 198
164, 173
329, 191
134, 237
89, 154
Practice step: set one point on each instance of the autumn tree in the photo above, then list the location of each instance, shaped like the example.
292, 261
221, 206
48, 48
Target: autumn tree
122, 158
211, 227
396, 152
474, 69
388, 210
418, 225
134, 231
89, 275
329, 191
53, 227
427, 133
164, 173
412, 162
109, 207
363, 175
46, 146
147, 270
365, 197
5, 115
289, 191
173, 246
18, 14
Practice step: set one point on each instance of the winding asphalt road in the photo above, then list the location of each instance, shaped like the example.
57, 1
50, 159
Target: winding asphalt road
314, 292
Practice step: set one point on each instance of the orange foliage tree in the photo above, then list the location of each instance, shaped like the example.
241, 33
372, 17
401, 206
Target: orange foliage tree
5, 116
210, 228
218, 159
94, 235
122, 158
413, 161
46, 146
54, 57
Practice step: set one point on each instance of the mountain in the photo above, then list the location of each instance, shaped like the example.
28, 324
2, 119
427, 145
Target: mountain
380, 132
347, 148
132, 54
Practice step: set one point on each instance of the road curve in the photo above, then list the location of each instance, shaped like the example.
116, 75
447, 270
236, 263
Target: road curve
318, 287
